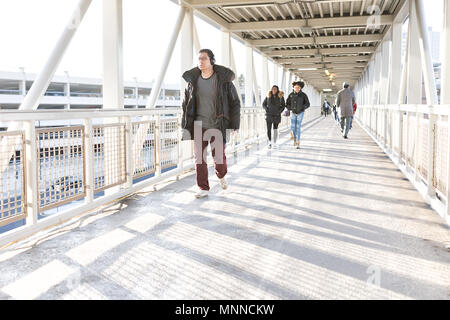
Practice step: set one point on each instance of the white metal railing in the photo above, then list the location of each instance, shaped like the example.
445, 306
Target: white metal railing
416, 138
75, 168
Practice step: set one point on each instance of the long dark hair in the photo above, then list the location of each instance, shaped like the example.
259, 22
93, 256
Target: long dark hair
271, 94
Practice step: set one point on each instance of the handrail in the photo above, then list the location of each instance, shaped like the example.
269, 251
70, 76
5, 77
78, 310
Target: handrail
21, 115
68, 167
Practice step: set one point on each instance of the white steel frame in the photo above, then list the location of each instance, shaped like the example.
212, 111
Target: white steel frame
377, 115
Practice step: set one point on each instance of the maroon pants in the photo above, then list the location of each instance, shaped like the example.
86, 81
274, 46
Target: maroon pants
218, 153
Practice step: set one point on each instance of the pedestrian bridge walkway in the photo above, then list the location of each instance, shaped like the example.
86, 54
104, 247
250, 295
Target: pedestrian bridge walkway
333, 220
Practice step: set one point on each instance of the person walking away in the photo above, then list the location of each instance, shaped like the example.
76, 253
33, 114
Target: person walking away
297, 102
326, 107
336, 117
211, 110
344, 101
273, 105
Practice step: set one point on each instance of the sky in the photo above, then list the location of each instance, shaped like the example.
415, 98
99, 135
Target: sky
30, 28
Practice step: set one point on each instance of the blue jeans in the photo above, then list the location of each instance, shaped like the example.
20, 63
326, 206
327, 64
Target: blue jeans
296, 124
351, 122
345, 125
336, 117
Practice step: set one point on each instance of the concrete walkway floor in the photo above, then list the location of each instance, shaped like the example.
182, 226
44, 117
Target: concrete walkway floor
333, 220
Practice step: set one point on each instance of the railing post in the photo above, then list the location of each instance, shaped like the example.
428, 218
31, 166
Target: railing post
255, 125
89, 163
385, 126
129, 151
377, 134
247, 128
31, 156
431, 153
400, 135
367, 117
180, 147
372, 120
416, 146
251, 132
391, 130
408, 145
157, 145
448, 167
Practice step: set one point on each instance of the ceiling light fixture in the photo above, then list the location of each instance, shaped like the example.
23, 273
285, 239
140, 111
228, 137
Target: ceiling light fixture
307, 30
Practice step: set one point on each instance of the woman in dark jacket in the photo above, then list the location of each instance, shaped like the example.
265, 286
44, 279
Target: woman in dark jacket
274, 106
297, 102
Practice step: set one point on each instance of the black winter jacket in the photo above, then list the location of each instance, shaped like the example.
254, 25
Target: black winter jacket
228, 106
274, 105
297, 102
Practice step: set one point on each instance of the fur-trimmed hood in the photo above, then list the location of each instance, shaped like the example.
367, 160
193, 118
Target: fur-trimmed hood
224, 74
280, 94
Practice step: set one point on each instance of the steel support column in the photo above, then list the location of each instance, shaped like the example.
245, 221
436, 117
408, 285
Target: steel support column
248, 76
113, 79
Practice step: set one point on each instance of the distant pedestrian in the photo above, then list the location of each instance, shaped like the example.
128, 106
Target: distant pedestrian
274, 105
345, 101
335, 112
297, 102
326, 107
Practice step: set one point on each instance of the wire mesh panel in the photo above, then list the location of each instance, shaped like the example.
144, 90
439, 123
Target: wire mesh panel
423, 148
388, 128
169, 143
395, 131
378, 123
243, 131
441, 147
60, 166
285, 122
12, 180
109, 156
404, 135
412, 139
383, 121
261, 123
144, 151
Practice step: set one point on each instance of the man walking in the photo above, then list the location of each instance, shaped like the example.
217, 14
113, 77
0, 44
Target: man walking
344, 101
336, 117
326, 107
211, 109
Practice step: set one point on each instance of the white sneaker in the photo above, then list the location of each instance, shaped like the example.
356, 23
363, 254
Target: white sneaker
269, 145
223, 183
201, 194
